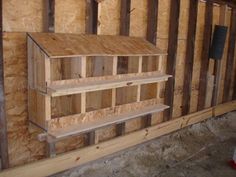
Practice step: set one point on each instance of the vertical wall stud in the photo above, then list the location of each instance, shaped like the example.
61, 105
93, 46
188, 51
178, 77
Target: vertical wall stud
49, 15
171, 58
205, 55
91, 17
3, 122
217, 66
188, 71
230, 57
123, 61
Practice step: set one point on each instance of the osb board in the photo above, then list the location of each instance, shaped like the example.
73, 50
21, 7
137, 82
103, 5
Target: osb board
67, 121
26, 15
138, 18
23, 15
163, 19
109, 17
70, 16
23, 145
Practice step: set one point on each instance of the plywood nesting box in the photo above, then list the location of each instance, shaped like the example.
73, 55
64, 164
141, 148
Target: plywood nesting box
76, 85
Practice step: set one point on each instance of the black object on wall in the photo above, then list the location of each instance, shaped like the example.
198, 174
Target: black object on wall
218, 42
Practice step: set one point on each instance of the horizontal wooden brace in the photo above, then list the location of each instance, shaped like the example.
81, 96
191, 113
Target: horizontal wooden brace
78, 157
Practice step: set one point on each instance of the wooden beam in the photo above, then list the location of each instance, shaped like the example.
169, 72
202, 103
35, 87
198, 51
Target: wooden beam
82, 156
91, 17
152, 21
171, 58
217, 66
91, 26
49, 15
3, 122
125, 17
205, 55
151, 36
122, 61
189, 59
230, 57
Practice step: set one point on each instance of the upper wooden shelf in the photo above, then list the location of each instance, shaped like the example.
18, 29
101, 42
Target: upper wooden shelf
59, 45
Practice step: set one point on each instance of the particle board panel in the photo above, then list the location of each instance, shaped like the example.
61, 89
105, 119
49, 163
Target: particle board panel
163, 20
138, 18
98, 114
109, 17
106, 121
70, 16
56, 45
22, 16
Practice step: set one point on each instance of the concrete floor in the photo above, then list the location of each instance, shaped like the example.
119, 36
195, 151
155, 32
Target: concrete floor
202, 150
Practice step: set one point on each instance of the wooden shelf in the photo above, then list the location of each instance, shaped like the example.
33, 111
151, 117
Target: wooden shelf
106, 121
61, 89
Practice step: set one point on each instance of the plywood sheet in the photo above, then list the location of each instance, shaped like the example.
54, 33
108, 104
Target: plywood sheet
138, 18
58, 45
109, 17
23, 15
70, 16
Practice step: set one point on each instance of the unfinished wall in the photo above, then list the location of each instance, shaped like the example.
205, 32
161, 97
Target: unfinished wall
27, 16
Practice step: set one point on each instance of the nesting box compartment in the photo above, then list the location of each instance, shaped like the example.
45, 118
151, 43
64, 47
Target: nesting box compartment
75, 85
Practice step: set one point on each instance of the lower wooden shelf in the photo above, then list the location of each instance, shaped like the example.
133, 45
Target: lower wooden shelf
106, 121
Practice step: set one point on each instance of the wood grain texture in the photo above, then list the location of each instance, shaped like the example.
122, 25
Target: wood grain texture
55, 45
3, 122
82, 87
152, 17
79, 157
171, 58
190, 48
106, 121
125, 17
230, 57
49, 15
205, 55
218, 63
91, 17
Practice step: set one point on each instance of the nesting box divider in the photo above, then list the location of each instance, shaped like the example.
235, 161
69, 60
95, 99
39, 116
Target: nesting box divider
114, 72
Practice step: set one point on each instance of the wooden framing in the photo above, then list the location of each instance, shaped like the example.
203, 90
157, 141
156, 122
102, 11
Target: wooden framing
3, 122
205, 55
171, 58
230, 57
82, 156
52, 73
152, 17
218, 65
49, 7
189, 59
122, 61
91, 16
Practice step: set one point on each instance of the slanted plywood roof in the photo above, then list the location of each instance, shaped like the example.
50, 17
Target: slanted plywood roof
59, 45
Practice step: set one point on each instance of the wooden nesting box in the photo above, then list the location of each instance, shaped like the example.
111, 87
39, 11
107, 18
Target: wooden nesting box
76, 84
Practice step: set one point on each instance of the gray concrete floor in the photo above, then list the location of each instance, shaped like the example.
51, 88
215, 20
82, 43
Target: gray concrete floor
201, 150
